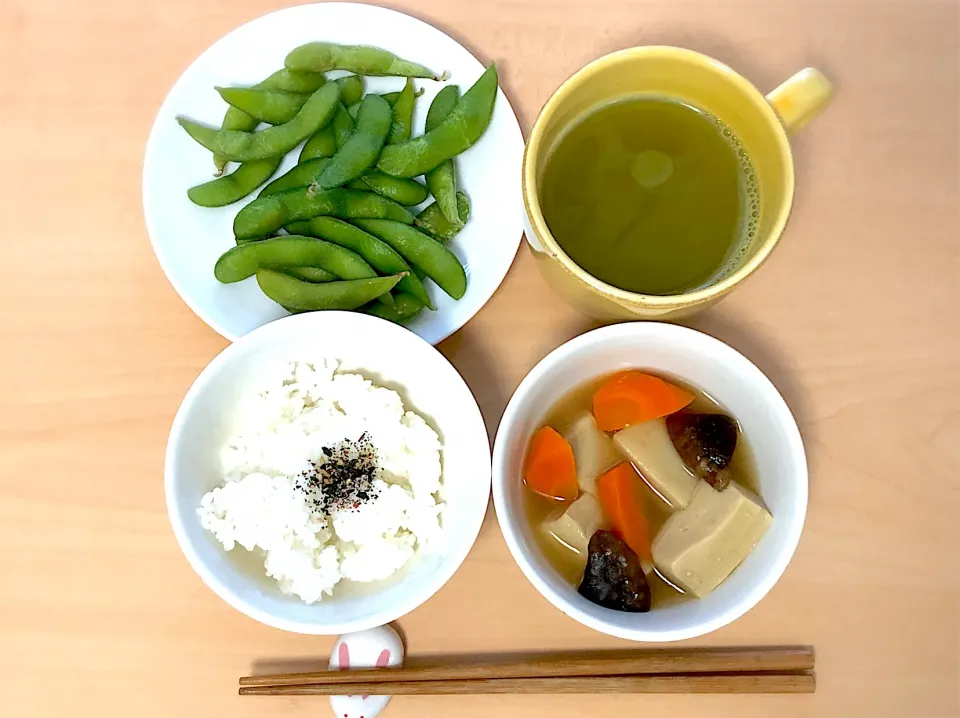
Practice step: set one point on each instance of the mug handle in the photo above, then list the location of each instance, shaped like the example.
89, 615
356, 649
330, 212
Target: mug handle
801, 98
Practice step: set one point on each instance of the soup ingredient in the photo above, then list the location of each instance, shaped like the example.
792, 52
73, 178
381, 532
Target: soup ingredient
281, 253
651, 195
310, 274
632, 397
380, 255
307, 543
300, 175
697, 548
439, 263
706, 443
293, 293
593, 450
577, 524
234, 186
461, 128
432, 221
649, 448
268, 214
549, 467
402, 114
359, 59
286, 80
620, 495
273, 141
402, 190
406, 307
442, 179
362, 147
613, 577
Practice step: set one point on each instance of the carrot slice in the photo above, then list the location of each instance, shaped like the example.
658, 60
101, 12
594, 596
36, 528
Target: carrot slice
549, 468
632, 397
619, 493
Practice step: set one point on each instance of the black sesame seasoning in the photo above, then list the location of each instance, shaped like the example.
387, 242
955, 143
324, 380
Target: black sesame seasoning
343, 480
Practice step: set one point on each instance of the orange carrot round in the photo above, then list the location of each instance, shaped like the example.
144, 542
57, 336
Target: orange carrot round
549, 468
632, 397
619, 493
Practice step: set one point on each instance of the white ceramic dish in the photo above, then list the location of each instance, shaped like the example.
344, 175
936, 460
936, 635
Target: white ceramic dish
427, 383
188, 239
734, 382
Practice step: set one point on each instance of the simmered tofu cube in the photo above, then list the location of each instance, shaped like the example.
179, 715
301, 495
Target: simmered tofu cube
649, 448
593, 451
578, 523
697, 548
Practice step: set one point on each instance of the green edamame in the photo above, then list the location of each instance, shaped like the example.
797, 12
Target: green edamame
404, 190
282, 253
310, 274
342, 126
276, 107
298, 295
377, 253
266, 215
402, 115
432, 221
359, 59
300, 176
405, 308
438, 263
361, 149
273, 141
442, 179
234, 186
322, 144
390, 97
286, 80
351, 89
459, 131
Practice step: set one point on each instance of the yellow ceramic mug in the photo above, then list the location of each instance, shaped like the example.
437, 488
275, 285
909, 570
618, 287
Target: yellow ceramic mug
761, 123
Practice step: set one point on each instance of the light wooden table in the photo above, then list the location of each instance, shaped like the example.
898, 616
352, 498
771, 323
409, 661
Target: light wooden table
855, 319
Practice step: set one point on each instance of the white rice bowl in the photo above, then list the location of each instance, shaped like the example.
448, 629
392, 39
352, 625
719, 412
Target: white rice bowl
215, 415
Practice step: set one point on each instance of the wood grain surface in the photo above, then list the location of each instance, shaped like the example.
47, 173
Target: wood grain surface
856, 319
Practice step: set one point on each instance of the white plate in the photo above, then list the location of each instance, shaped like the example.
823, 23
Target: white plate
188, 239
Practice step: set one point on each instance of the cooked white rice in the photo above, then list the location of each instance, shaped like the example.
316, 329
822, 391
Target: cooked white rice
282, 429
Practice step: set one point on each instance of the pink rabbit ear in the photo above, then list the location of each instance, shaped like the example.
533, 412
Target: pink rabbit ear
383, 660
344, 657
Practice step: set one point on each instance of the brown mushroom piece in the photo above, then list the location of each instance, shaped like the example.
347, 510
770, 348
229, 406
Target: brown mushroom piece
706, 443
613, 577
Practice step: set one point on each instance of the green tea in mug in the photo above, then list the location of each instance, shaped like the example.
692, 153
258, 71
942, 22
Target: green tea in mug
651, 195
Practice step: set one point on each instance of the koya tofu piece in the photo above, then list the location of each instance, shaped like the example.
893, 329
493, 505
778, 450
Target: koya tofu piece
697, 548
649, 448
578, 523
593, 451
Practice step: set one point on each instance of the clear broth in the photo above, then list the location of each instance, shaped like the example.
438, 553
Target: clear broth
568, 563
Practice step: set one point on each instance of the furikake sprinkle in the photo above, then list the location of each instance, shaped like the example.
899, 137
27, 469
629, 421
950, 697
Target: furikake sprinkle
344, 478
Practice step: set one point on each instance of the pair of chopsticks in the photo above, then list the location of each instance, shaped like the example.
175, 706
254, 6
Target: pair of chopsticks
780, 669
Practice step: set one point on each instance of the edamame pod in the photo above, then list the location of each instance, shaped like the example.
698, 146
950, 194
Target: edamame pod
432, 221
266, 215
442, 179
234, 186
304, 296
405, 308
279, 106
378, 254
437, 262
361, 149
310, 274
300, 176
402, 115
273, 141
404, 190
322, 144
287, 252
287, 80
359, 59
462, 127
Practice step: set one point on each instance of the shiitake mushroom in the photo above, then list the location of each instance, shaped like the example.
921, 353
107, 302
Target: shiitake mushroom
613, 577
706, 443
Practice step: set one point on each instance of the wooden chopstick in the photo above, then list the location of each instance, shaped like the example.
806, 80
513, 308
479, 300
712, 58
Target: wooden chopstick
715, 683
611, 663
